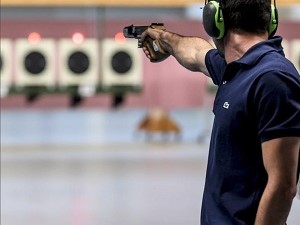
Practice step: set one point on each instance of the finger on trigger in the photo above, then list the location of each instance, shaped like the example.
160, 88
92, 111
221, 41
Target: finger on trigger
144, 34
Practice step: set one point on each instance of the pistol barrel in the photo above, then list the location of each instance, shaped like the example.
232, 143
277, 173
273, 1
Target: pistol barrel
134, 31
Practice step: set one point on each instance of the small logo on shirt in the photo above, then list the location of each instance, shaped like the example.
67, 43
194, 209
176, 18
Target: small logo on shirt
226, 105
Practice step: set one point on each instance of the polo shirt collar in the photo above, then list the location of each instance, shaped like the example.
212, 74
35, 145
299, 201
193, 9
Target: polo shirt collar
260, 49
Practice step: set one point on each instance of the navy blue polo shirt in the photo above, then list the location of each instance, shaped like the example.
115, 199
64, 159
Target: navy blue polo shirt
258, 99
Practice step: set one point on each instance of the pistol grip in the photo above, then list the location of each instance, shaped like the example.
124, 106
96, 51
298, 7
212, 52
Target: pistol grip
157, 54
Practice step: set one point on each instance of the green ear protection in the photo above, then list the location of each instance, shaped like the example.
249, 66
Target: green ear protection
213, 20
274, 20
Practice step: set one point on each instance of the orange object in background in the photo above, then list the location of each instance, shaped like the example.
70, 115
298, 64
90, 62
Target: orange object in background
158, 121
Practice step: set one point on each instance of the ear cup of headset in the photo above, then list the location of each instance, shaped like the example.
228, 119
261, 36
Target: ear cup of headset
273, 21
213, 21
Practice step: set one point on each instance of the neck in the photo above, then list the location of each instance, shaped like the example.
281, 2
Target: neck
236, 45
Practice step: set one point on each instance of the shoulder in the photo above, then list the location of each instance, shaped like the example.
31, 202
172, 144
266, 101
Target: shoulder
275, 84
274, 70
215, 65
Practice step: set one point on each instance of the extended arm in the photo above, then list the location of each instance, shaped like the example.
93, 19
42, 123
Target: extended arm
189, 51
280, 158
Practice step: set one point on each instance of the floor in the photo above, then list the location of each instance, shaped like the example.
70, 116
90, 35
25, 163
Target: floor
92, 167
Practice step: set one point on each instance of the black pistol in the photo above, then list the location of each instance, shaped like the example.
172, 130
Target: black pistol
157, 54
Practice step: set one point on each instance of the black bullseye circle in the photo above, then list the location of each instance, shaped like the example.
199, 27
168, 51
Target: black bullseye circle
35, 62
78, 62
121, 62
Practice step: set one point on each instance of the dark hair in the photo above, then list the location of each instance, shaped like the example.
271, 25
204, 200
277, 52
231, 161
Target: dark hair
251, 16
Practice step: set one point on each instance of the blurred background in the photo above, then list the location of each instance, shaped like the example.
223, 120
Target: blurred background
92, 133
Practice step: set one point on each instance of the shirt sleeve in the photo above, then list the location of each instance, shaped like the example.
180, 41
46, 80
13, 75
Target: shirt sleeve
215, 65
277, 105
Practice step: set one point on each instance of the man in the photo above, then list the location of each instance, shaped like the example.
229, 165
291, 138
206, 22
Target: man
253, 163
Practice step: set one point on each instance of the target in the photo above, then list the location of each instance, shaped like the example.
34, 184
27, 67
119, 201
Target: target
79, 62
35, 65
286, 48
6, 63
121, 63
295, 53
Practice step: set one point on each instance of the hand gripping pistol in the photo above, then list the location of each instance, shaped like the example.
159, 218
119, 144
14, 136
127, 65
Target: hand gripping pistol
157, 54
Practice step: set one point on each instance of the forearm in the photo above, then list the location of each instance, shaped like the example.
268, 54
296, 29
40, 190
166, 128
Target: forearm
280, 158
274, 206
189, 51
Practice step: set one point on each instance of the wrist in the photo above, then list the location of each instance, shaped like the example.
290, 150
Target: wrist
167, 40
